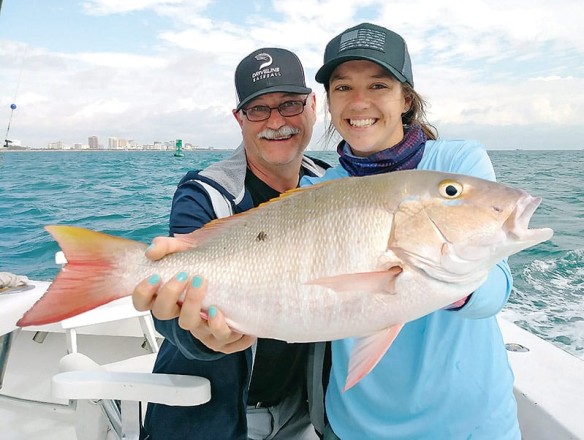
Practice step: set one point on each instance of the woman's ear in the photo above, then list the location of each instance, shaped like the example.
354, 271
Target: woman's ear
407, 103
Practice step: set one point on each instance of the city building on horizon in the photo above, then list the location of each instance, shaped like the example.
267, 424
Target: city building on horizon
93, 142
114, 143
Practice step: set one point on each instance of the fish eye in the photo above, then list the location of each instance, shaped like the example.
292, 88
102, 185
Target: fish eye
450, 189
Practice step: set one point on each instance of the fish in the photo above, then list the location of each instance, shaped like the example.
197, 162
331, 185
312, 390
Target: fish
354, 257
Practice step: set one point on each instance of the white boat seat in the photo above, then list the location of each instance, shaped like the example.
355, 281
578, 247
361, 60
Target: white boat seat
97, 388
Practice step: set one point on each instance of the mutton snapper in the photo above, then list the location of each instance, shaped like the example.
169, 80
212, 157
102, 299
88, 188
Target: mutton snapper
354, 257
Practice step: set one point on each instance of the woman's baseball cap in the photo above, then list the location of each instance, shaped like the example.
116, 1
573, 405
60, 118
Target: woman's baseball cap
269, 70
370, 42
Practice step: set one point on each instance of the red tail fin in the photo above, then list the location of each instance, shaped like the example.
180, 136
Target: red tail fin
87, 280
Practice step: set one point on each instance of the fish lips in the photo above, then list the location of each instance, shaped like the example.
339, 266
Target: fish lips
517, 225
513, 237
464, 261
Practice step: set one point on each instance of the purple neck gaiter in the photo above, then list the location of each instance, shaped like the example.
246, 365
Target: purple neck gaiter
406, 155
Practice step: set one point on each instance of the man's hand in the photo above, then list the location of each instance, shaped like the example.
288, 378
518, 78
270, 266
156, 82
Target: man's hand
182, 297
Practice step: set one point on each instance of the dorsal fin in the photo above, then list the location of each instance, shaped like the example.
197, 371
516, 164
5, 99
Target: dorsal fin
217, 226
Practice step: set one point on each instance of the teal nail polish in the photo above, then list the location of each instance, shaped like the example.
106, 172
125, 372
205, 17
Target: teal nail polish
182, 276
154, 279
212, 312
149, 248
197, 282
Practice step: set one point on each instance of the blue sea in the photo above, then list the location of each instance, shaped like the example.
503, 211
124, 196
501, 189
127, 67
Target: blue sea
129, 194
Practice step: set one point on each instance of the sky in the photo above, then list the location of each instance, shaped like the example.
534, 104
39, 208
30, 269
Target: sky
508, 74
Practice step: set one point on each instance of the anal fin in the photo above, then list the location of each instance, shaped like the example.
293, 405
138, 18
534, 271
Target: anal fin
368, 352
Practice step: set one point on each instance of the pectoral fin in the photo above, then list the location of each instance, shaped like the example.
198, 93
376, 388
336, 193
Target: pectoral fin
367, 353
374, 282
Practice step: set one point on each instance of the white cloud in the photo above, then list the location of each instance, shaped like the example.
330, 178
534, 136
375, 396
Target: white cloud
482, 64
118, 60
108, 7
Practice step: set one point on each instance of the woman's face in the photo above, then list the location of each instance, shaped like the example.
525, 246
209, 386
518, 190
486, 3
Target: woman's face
366, 104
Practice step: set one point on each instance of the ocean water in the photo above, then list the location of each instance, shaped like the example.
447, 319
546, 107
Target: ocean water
129, 194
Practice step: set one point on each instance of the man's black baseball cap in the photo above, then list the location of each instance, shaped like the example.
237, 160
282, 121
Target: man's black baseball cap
269, 70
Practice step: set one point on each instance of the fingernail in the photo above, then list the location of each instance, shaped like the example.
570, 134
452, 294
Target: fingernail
182, 276
149, 248
212, 312
197, 282
154, 279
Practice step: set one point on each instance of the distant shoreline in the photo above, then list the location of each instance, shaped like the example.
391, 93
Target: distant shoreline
210, 150
72, 150
185, 152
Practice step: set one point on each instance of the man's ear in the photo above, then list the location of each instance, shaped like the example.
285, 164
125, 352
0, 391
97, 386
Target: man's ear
238, 117
312, 101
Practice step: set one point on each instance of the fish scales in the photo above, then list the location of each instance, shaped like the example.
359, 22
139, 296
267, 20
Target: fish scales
271, 255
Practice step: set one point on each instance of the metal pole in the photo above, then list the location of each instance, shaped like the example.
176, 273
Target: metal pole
5, 344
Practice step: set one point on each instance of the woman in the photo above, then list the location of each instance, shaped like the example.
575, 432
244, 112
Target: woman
446, 376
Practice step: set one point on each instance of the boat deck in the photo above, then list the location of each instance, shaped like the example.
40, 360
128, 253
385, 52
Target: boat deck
27, 409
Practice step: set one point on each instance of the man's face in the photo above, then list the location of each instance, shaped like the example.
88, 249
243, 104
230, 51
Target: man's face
278, 140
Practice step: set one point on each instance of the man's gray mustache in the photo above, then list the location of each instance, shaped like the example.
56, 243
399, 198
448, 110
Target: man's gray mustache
280, 133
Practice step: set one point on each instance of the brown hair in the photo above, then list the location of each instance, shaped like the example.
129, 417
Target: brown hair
417, 112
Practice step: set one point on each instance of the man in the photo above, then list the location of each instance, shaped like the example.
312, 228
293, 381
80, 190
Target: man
282, 397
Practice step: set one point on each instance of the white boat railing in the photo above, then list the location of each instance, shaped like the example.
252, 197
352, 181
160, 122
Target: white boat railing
549, 386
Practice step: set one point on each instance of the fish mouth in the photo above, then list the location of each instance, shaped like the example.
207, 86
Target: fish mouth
463, 261
517, 224
514, 235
